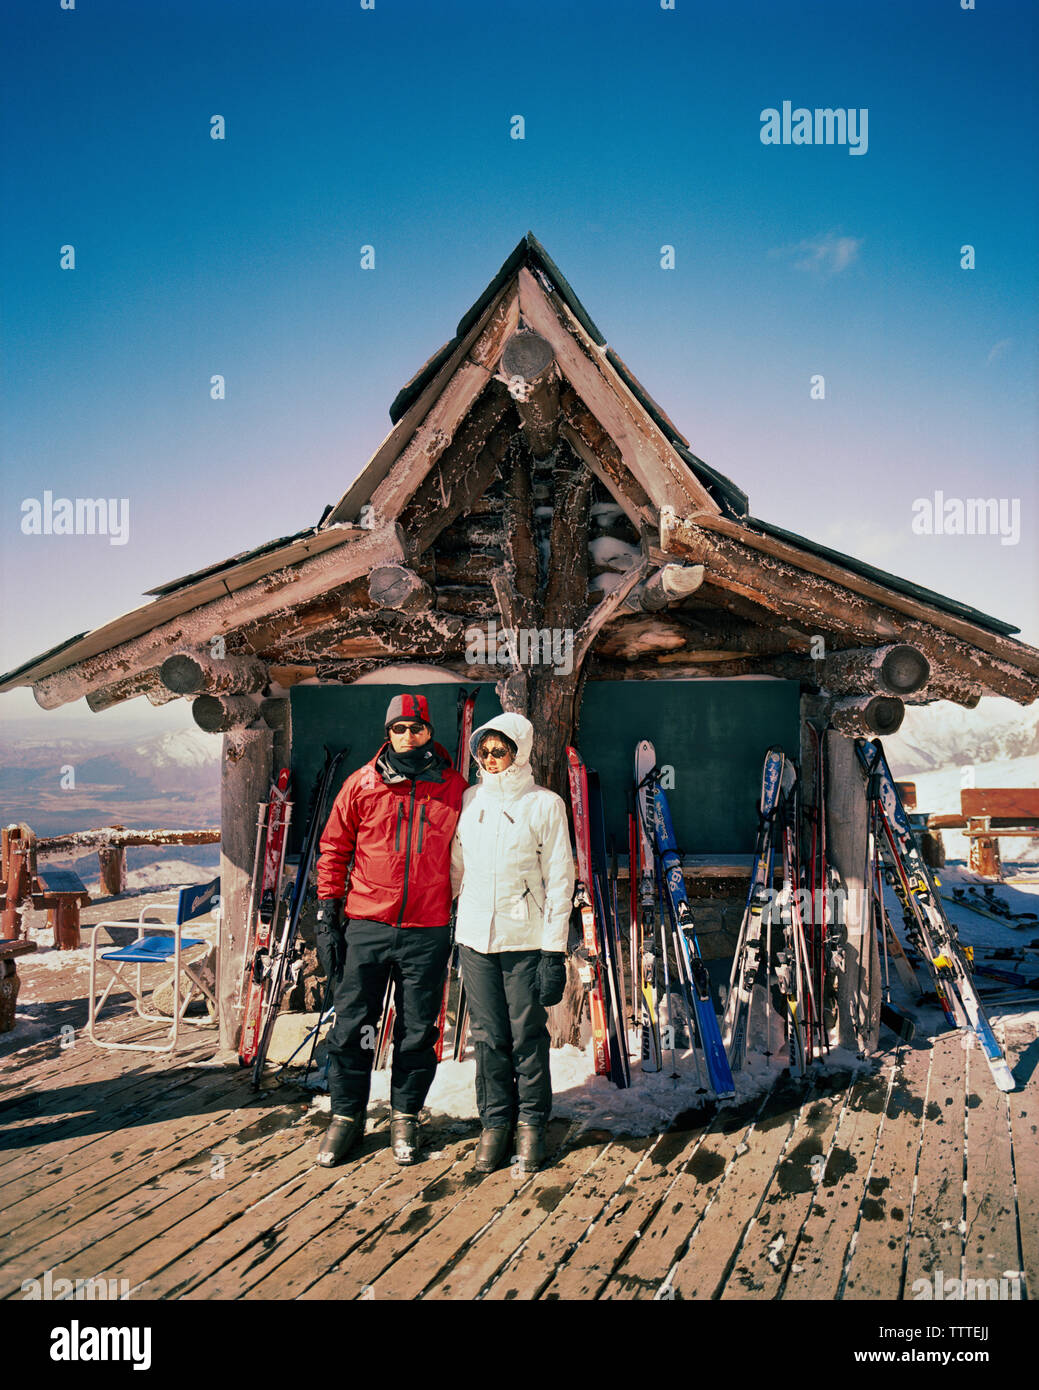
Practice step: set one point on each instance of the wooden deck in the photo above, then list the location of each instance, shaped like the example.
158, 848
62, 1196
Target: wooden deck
175, 1177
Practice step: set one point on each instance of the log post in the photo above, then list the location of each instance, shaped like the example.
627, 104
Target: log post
112, 864
245, 779
528, 361
63, 917
858, 987
18, 870
983, 855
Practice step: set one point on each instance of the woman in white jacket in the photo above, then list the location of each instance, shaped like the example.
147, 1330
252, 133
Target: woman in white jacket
513, 869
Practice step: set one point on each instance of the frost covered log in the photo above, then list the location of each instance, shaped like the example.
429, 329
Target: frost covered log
201, 673
898, 669
218, 714
867, 716
394, 586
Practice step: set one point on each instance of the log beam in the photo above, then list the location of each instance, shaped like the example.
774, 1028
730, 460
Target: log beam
201, 673
801, 596
294, 584
394, 586
866, 716
219, 714
145, 683
897, 669
669, 585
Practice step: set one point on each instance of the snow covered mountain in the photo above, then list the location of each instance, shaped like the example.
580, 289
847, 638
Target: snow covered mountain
947, 735
944, 747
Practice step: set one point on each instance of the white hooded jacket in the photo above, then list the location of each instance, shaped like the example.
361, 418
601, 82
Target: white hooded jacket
511, 856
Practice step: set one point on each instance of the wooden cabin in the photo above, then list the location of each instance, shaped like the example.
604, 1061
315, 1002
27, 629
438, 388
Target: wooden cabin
530, 486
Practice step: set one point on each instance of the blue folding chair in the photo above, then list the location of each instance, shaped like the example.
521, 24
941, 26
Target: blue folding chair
163, 948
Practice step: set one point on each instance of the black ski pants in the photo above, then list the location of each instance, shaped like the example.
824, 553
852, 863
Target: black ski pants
509, 1030
415, 959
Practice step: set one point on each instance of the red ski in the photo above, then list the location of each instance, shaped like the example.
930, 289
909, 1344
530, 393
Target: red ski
466, 708
272, 824
589, 963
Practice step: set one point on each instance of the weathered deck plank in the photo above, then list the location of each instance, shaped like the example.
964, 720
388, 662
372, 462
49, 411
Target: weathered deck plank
535, 1263
406, 1193
489, 1249
990, 1238
632, 1209
83, 1193
142, 1217
1023, 1045
642, 1271
484, 1200
703, 1267
811, 1155
855, 1185
936, 1222
88, 1149
251, 1248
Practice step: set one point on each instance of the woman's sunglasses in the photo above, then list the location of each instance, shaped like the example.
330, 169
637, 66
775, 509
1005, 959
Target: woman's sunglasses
496, 752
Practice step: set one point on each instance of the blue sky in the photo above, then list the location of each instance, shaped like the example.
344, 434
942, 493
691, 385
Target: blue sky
390, 127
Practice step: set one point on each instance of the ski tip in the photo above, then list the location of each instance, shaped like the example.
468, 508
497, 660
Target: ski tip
1004, 1078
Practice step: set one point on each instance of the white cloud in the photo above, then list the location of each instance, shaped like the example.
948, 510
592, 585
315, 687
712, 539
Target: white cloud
998, 350
826, 254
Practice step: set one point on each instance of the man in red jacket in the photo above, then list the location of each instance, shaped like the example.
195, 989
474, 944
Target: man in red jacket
395, 817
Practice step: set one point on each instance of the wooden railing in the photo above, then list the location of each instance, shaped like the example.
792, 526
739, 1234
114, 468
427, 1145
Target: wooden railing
61, 891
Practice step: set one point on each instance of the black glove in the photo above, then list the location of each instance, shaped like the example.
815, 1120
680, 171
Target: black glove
551, 977
331, 938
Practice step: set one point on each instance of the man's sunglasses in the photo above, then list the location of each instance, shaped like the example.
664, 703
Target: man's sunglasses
407, 728
497, 752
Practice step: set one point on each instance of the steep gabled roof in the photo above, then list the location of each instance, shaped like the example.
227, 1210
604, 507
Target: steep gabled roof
417, 398
454, 403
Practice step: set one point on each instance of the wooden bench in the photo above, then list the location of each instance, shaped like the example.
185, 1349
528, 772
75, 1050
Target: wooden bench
9, 981
987, 815
63, 893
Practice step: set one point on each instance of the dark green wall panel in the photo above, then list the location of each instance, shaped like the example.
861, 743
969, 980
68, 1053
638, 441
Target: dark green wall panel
713, 734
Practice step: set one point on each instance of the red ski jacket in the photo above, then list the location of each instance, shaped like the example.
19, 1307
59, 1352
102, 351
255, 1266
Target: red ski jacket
399, 832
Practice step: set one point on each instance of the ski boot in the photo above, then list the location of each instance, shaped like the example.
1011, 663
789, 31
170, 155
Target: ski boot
530, 1147
492, 1150
403, 1136
343, 1132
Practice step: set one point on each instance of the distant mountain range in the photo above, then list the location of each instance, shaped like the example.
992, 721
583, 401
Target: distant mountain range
170, 781
945, 735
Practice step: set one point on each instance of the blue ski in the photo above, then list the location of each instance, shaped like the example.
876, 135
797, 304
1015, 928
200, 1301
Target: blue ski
696, 971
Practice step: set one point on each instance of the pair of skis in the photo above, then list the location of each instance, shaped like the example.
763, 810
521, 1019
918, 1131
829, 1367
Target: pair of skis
598, 959
748, 979
274, 961
929, 929
694, 980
